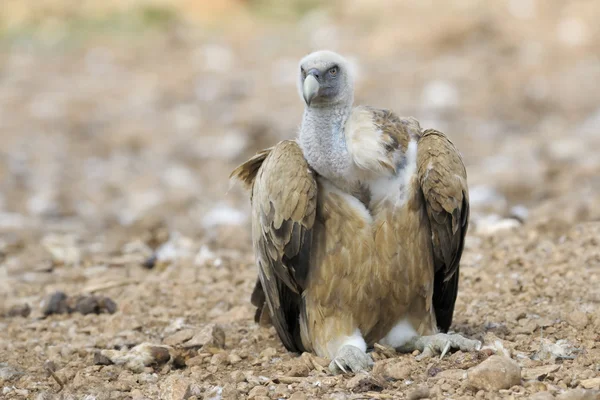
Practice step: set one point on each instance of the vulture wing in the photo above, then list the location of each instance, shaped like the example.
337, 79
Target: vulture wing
443, 181
284, 200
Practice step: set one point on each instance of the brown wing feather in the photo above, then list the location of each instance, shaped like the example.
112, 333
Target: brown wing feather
247, 171
284, 196
443, 180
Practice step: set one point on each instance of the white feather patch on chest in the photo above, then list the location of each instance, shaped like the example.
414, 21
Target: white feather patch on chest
397, 187
365, 142
400, 334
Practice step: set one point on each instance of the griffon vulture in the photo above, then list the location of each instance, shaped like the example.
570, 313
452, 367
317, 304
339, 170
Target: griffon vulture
358, 227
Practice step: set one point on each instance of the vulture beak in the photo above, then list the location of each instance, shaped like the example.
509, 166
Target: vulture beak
310, 88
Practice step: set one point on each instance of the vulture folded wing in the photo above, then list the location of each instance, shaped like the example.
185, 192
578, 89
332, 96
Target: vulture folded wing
443, 181
284, 199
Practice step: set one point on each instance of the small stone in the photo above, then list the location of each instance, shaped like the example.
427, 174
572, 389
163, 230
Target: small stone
99, 359
536, 386
541, 396
593, 383
495, 373
299, 369
237, 376
87, 305
577, 319
234, 359
198, 360
257, 391
364, 382
179, 337
160, 355
175, 387
107, 305
579, 394
421, 392
268, 353
55, 303
298, 396
220, 359
392, 370
136, 394
19, 310
211, 335
538, 372
453, 374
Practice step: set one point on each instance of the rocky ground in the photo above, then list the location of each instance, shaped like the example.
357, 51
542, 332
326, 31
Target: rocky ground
125, 259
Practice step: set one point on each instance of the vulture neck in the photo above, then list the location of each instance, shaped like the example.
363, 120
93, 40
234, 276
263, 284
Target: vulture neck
323, 142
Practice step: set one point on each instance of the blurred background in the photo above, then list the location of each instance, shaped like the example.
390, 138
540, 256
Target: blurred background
115, 111
120, 122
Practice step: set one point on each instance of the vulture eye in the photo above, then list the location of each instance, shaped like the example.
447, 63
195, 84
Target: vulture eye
333, 71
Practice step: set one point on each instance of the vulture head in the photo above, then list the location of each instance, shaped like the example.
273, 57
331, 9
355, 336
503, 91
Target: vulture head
325, 80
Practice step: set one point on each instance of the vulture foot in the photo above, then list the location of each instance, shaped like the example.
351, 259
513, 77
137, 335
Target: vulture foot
440, 344
350, 359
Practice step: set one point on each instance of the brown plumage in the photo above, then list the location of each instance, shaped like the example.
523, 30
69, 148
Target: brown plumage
368, 255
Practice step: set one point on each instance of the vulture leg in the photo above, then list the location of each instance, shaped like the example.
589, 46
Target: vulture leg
350, 359
439, 344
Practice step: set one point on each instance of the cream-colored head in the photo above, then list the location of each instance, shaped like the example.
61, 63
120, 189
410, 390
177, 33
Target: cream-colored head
325, 80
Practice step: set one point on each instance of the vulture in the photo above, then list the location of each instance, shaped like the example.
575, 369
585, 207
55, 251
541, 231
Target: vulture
358, 227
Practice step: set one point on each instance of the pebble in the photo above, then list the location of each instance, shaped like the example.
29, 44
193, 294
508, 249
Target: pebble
452, 374
179, 337
363, 382
60, 303
237, 376
421, 392
210, 335
19, 310
577, 319
94, 305
495, 373
538, 372
175, 387
579, 394
220, 359
268, 353
298, 396
258, 391
392, 370
194, 361
542, 396
592, 383
234, 359
55, 303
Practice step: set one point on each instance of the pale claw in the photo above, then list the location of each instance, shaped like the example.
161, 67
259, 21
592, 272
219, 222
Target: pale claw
446, 348
350, 358
441, 343
339, 364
